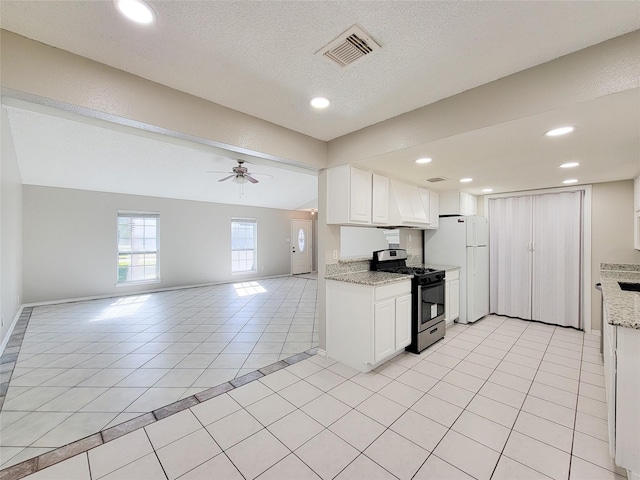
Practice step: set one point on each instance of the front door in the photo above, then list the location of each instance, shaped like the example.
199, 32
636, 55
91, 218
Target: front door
300, 246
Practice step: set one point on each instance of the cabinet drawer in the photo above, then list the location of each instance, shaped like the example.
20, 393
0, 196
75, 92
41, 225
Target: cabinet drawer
394, 290
453, 275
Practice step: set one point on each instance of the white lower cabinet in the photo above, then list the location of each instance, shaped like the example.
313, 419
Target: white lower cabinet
622, 384
452, 296
367, 325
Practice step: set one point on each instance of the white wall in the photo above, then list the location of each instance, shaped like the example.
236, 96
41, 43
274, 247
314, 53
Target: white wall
612, 234
70, 242
359, 242
10, 231
70, 82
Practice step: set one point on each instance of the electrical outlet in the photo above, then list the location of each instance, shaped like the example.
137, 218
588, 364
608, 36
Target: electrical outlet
262, 267
335, 254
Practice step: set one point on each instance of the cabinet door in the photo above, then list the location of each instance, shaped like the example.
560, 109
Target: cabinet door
360, 196
403, 321
636, 191
464, 203
380, 200
473, 205
454, 300
609, 356
384, 329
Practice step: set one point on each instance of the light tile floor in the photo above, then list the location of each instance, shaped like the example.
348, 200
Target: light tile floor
501, 399
89, 365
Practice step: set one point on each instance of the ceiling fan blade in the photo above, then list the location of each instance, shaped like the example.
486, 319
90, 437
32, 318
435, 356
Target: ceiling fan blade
265, 175
251, 179
227, 178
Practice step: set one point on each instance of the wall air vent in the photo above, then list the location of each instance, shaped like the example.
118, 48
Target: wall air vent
437, 179
349, 47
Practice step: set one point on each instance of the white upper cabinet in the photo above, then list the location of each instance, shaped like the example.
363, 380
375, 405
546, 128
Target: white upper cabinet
458, 203
636, 193
349, 193
380, 200
359, 197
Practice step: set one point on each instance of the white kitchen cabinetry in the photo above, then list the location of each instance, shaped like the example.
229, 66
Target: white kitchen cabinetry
452, 296
380, 200
356, 197
622, 385
367, 325
458, 203
636, 193
409, 205
434, 209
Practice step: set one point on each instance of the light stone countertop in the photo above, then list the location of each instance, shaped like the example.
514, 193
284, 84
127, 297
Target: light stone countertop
446, 268
368, 277
623, 308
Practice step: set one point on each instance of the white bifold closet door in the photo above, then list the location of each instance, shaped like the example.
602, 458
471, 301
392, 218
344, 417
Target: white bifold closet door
536, 245
510, 256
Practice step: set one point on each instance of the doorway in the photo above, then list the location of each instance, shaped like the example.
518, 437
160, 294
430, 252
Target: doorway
301, 246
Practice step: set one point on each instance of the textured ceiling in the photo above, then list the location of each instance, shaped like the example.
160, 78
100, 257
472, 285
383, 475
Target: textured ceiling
258, 57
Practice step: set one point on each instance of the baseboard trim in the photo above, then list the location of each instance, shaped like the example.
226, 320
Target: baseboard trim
7, 337
142, 292
322, 353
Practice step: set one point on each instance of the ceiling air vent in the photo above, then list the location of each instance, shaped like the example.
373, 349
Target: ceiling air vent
437, 179
349, 47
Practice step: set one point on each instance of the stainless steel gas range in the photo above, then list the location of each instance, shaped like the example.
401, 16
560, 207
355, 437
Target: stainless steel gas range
427, 291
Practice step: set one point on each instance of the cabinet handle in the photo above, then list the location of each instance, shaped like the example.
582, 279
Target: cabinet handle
434, 330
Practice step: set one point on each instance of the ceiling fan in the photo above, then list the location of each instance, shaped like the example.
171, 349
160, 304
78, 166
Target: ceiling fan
241, 174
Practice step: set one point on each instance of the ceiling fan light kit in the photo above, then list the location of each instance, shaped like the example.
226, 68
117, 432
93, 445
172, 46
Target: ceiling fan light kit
240, 174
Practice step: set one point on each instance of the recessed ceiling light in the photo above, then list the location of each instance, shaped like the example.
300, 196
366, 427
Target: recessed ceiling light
466, 180
569, 165
135, 10
560, 131
571, 180
319, 102
424, 160
487, 190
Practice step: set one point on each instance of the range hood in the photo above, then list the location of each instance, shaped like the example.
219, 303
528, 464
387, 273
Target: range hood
408, 205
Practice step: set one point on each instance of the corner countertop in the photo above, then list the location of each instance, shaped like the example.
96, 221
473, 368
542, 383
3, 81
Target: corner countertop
368, 277
623, 308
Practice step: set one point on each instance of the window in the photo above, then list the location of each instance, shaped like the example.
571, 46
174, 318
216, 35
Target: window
138, 247
243, 245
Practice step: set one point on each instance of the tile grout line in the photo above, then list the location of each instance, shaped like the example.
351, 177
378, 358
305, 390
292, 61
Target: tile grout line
15, 342
32, 465
520, 410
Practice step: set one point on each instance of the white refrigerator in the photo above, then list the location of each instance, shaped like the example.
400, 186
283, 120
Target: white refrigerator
463, 242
